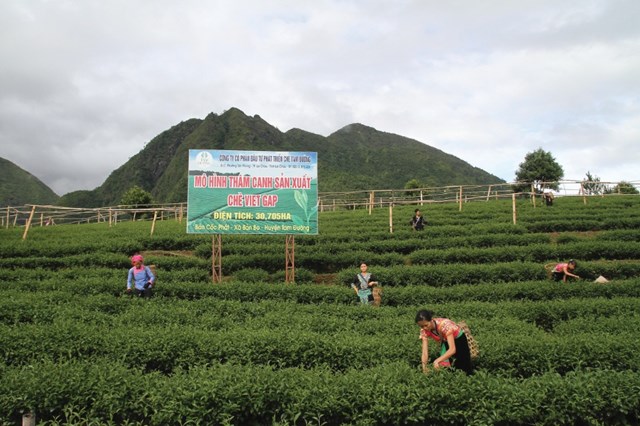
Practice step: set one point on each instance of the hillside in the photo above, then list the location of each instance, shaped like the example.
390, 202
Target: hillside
354, 157
368, 158
18, 187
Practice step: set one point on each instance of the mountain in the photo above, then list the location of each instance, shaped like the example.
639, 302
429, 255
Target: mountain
361, 157
354, 157
19, 187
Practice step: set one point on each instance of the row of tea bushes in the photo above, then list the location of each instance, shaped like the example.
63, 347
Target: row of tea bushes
500, 264
444, 275
321, 261
20, 308
195, 283
419, 242
106, 392
542, 253
162, 349
404, 246
564, 225
168, 336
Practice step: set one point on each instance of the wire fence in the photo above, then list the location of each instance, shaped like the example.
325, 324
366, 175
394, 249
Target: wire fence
332, 201
48, 215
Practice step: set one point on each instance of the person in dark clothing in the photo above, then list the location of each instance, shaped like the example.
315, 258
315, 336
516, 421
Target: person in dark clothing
548, 198
417, 221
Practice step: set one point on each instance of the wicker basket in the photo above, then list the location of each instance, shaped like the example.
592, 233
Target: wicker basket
473, 344
155, 274
549, 268
377, 295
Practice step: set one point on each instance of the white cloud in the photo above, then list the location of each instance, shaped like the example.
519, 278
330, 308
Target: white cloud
85, 85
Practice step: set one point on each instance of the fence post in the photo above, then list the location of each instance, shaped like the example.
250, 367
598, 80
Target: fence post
460, 200
28, 224
513, 202
153, 224
391, 218
533, 196
371, 198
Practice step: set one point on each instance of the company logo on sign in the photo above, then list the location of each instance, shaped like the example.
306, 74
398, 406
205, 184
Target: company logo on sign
204, 159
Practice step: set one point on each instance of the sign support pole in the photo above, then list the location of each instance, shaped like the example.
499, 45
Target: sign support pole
290, 255
216, 258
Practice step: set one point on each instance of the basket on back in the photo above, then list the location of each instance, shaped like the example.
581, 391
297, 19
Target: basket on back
473, 344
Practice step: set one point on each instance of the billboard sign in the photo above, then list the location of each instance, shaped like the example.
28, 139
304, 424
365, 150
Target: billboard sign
252, 192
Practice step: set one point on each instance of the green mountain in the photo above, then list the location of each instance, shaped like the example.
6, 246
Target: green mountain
19, 187
354, 157
361, 157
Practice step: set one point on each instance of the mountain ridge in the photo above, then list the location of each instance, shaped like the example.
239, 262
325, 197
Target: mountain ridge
18, 187
354, 157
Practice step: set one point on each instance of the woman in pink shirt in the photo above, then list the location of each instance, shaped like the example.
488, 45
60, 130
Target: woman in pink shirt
564, 270
453, 343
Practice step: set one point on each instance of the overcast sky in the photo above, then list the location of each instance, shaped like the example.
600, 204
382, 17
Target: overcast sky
85, 84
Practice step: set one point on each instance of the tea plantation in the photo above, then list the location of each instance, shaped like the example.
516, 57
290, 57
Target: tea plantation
253, 350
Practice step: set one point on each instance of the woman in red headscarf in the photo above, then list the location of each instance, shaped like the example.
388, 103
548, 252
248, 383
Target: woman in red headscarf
140, 278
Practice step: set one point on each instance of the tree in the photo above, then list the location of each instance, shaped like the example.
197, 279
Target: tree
592, 186
136, 196
539, 169
623, 187
413, 184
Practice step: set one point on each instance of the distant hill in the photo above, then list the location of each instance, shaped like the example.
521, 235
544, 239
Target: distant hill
19, 187
354, 157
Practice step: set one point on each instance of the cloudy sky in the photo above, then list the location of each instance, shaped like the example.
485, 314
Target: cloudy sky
84, 85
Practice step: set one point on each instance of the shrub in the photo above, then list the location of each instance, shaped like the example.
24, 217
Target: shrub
251, 275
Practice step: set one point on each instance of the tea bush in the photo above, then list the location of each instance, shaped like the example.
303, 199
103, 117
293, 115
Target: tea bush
75, 349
